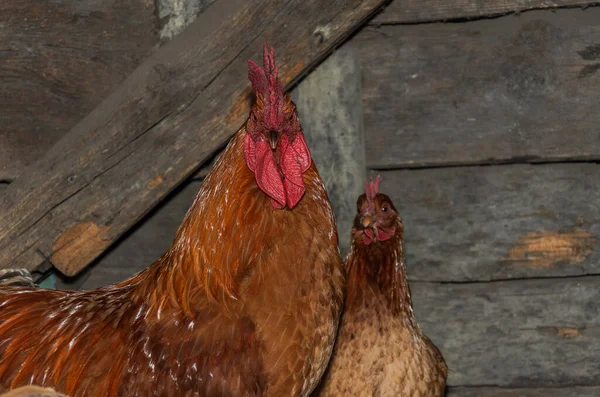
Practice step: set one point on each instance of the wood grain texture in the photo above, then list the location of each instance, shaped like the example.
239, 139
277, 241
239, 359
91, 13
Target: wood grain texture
165, 120
413, 11
59, 60
592, 391
176, 15
141, 246
527, 333
499, 222
330, 108
511, 89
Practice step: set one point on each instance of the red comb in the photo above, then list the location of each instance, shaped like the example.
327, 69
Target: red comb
266, 85
371, 190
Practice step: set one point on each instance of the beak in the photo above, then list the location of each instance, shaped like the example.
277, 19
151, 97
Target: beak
273, 137
366, 221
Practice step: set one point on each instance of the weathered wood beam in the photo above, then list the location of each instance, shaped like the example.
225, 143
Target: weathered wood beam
499, 222
164, 121
513, 89
141, 245
176, 15
414, 11
514, 334
59, 60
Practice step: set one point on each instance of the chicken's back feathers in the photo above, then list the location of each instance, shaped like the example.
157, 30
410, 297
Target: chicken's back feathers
246, 302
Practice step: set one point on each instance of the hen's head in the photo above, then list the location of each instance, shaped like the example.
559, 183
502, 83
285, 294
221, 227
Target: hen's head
274, 147
376, 218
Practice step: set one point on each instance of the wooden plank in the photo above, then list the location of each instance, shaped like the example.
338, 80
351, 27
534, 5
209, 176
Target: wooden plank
413, 11
592, 391
526, 333
330, 107
164, 121
499, 222
503, 90
175, 15
59, 60
141, 245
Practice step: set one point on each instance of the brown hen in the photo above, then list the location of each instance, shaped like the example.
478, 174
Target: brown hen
245, 302
381, 350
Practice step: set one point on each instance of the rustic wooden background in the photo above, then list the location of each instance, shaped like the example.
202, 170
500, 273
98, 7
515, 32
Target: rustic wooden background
481, 117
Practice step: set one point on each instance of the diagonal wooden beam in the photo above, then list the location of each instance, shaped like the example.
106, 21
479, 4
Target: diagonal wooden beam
164, 121
59, 59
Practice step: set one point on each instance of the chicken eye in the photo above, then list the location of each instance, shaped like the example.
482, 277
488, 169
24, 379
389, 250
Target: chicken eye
384, 208
291, 116
253, 117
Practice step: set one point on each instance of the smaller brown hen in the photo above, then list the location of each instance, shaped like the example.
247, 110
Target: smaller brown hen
380, 350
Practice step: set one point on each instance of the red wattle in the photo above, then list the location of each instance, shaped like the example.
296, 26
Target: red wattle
379, 235
368, 236
267, 174
294, 161
261, 161
383, 235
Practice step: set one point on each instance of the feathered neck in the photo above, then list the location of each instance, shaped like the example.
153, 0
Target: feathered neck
206, 257
377, 271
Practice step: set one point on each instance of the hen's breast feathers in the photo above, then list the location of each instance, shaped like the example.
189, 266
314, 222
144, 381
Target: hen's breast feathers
247, 296
380, 348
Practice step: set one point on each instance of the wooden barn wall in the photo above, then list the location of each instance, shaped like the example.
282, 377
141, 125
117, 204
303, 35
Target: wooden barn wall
511, 89
485, 132
486, 135
59, 60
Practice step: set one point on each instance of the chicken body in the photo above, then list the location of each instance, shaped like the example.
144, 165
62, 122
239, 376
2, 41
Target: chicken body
245, 302
379, 354
380, 350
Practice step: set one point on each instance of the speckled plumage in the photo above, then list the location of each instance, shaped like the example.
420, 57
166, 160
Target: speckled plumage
380, 349
245, 302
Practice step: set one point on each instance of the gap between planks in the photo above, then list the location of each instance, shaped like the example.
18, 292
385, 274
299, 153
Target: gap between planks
514, 161
500, 280
466, 19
